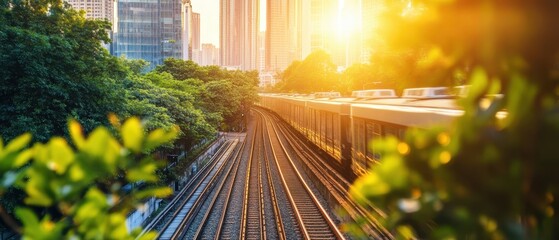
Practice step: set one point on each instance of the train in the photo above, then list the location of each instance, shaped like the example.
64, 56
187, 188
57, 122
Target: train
344, 127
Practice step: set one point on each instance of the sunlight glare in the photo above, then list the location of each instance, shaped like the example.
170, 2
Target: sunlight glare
345, 21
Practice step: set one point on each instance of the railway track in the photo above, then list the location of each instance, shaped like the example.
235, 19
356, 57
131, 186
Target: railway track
313, 220
207, 227
176, 216
258, 195
253, 224
335, 184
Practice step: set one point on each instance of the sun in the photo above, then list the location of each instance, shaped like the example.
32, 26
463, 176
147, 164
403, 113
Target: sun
345, 25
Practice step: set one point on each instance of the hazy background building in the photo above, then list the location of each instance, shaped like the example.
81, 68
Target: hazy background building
295, 28
209, 55
277, 35
186, 29
239, 27
196, 50
262, 51
95, 9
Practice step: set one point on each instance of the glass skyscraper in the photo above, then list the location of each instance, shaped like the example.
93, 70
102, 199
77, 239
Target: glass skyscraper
150, 29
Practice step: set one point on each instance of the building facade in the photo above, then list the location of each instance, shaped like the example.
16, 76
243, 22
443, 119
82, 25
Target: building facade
295, 28
196, 50
277, 35
95, 9
196, 31
239, 27
152, 30
209, 55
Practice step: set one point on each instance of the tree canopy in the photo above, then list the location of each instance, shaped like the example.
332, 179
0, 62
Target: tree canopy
53, 66
315, 73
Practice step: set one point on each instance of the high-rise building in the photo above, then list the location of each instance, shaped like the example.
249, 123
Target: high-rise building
262, 51
152, 30
196, 31
187, 29
323, 15
277, 35
295, 28
286, 32
210, 55
370, 9
94, 9
239, 27
196, 51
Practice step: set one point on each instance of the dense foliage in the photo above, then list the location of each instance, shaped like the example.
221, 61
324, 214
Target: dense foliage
54, 67
316, 73
491, 175
224, 96
81, 190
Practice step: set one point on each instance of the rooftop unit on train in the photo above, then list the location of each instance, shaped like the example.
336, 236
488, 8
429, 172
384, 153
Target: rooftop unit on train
426, 93
326, 95
462, 90
374, 93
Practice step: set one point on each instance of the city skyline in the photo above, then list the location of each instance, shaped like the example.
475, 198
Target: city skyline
293, 29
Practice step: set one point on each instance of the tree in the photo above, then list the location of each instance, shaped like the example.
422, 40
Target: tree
488, 176
316, 73
182, 70
223, 96
53, 66
179, 98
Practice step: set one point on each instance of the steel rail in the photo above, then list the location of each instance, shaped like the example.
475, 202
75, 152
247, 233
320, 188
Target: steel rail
184, 215
185, 192
247, 197
337, 185
236, 163
278, 218
299, 197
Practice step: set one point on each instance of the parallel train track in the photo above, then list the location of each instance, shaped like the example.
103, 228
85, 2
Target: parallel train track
313, 220
219, 202
276, 201
175, 217
338, 186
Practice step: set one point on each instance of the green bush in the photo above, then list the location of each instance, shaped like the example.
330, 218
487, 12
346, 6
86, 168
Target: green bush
77, 190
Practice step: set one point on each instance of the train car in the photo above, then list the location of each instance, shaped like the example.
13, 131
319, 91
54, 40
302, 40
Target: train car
374, 94
373, 121
327, 126
324, 123
346, 128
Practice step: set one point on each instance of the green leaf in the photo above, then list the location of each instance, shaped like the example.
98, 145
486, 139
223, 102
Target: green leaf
133, 134
102, 146
159, 136
28, 217
60, 155
18, 143
145, 172
23, 158
75, 130
159, 192
148, 236
35, 189
118, 226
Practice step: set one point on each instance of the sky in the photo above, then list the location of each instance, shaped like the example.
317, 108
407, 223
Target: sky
209, 19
